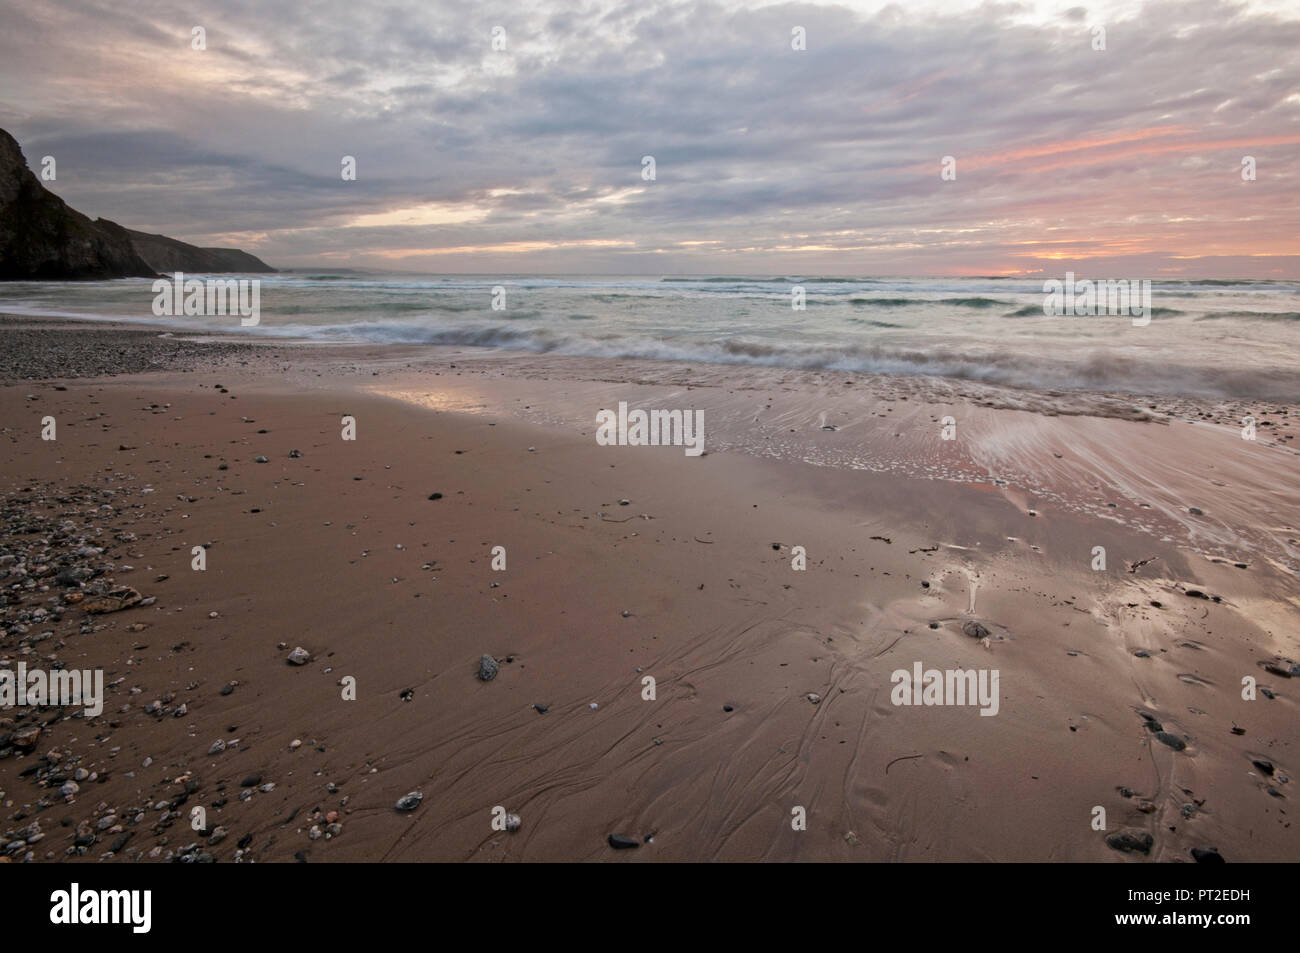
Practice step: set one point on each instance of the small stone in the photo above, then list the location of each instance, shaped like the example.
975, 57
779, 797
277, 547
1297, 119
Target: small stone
623, 842
513, 822
814, 698
218, 746
252, 781
409, 802
1171, 740
487, 668
261, 460
1127, 841
1207, 855
114, 601
299, 656
975, 630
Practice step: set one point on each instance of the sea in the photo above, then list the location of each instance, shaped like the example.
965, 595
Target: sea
1215, 338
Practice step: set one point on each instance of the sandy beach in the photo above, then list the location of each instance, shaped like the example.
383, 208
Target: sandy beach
773, 697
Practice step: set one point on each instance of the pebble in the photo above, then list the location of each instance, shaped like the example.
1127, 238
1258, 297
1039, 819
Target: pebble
487, 668
409, 802
975, 630
299, 656
1127, 841
1171, 740
623, 842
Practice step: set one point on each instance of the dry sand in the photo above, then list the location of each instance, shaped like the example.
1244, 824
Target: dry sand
341, 551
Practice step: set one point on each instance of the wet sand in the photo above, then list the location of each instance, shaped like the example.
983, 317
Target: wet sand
908, 538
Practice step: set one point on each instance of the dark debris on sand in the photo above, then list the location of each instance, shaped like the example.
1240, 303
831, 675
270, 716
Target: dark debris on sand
63, 351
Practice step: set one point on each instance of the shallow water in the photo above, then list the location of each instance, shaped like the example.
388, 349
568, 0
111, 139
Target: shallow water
1208, 338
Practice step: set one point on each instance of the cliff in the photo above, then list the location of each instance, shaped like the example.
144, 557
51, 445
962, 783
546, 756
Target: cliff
169, 254
42, 239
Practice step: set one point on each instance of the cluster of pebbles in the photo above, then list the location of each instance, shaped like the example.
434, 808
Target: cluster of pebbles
58, 562
56, 580
61, 551
78, 350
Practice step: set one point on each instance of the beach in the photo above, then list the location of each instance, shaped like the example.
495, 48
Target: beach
840, 527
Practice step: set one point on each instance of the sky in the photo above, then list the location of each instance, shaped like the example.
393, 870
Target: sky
1125, 161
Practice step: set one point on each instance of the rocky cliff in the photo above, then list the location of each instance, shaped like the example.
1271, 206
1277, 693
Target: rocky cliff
168, 254
42, 239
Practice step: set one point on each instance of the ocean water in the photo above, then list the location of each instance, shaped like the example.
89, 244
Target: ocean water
1206, 338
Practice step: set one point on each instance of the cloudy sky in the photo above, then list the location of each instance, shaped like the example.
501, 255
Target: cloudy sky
1125, 161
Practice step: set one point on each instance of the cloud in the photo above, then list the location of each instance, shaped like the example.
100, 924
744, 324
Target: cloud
767, 158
